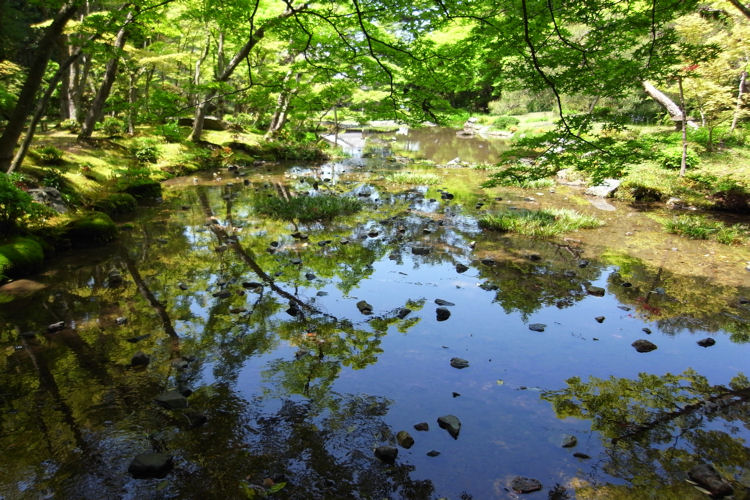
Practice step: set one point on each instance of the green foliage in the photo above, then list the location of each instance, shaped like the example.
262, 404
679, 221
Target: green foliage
672, 158
170, 131
48, 155
20, 256
307, 208
538, 222
698, 227
71, 125
146, 151
91, 229
16, 206
112, 127
525, 175
504, 122
116, 204
421, 178
54, 179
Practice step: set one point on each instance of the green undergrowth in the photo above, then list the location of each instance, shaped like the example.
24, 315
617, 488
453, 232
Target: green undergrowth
20, 255
420, 178
699, 227
307, 208
538, 222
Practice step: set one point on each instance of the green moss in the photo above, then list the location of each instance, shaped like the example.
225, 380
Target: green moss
116, 204
92, 229
20, 256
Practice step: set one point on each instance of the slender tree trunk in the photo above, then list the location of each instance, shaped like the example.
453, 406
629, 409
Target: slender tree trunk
278, 120
738, 107
33, 81
95, 111
675, 111
147, 89
741, 7
683, 161
132, 110
195, 97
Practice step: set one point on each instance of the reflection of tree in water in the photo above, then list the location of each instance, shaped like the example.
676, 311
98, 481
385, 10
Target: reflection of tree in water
656, 428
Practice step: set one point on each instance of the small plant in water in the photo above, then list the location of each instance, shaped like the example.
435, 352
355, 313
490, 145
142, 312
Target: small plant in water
307, 208
698, 227
413, 178
539, 222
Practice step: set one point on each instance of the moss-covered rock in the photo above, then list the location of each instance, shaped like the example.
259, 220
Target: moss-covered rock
117, 204
20, 256
143, 189
92, 229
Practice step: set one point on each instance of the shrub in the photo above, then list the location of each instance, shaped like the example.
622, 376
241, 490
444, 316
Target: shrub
672, 158
112, 126
307, 208
170, 131
16, 206
49, 155
503, 122
146, 151
116, 204
53, 178
71, 125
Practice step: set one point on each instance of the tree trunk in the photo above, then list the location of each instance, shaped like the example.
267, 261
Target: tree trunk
67, 89
102, 94
683, 161
741, 7
278, 120
738, 107
132, 110
33, 81
675, 112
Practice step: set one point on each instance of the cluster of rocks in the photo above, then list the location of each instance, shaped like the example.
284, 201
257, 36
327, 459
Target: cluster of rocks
388, 453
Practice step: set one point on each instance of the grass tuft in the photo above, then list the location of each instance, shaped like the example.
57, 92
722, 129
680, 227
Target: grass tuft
307, 208
539, 222
698, 227
413, 178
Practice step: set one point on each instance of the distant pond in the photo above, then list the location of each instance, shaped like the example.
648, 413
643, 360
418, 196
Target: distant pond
244, 361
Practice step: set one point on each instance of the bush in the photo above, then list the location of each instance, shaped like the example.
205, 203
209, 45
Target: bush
112, 126
503, 122
672, 158
20, 256
71, 126
116, 204
16, 206
146, 151
48, 155
53, 178
170, 131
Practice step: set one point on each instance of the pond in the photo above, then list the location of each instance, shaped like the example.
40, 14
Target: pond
256, 361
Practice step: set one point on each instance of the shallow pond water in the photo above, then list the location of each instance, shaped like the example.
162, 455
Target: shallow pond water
290, 385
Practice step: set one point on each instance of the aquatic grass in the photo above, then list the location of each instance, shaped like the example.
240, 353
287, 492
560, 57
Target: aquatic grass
307, 208
413, 178
539, 222
698, 227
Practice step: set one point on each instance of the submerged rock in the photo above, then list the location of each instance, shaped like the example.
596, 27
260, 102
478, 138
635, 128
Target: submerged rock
707, 342
403, 312
140, 359
597, 291
171, 400
450, 423
420, 250
150, 465
460, 268
442, 302
705, 476
386, 454
525, 484
599, 319
569, 441
442, 313
404, 439
537, 327
643, 345
433, 453
422, 426
364, 307
459, 363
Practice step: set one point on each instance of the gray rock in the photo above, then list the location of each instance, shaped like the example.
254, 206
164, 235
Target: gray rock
121, 320
488, 262
50, 197
597, 291
420, 250
605, 189
583, 263
707, 478
642, 345
296, 262
373, 233
56, 327
386, 454
599, 319
252, 285
460, 268
569, 441
140, 359
171, 400
224, 294
321, 293
150, 465
433, 453
525, 485
459, 363
450, 423
442, 313
537, 327
442, 302
310, 276
364, 307
580, 455
403, 312
489, 286
707, 342
646, 330
422, 426
404, 439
